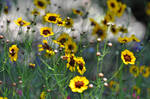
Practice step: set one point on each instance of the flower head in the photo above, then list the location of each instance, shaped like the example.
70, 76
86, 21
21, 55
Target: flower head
40, 4
78, 12
68, 22
21, 22
71, 62
113, 5
70, 47
128, 57
46, 31
134, 70
52, 17
124, 39
114, 85
13, 52
78, 84
144, 71
80, 65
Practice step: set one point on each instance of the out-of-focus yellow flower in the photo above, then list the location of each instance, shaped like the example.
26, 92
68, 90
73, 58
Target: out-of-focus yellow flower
136, 90
78, 12
68, 22
134, 38
40, 4
93, 22
32, 65
123, 29
13, 53
70, 47
121, 9
21, 22
6, 9
71, 62
114, 30
80, 65
114, 86
144, 71
113, 5
127, 57
35, 12
124, 39
79, 84
134, 70
147, 10
43, 95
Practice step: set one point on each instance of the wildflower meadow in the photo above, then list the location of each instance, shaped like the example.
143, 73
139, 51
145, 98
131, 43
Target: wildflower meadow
74, 49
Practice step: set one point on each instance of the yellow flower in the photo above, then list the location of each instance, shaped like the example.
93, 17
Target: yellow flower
32, 65
71, 62
112, 5
60, 22
43, 95
134, 38
62, 39
46, 31
134, 70
93, 22
49, 53
40, 4
3, 98
128, 57
52, 17
100, 31
80, 65
110, 16
35, 12
46, 47
121, 9
70, 47
78, 12
124, 39
13, 52
114, 29
68, 22
114, 86
147, 10
21, 22
136, 90
144, 71
6, 9
123, 29
79, 84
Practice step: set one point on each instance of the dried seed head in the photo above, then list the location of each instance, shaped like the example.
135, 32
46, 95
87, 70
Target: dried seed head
48, 90
91, 42
43, 86
1, 82
7, 41
90, 85
20, 81
64, 57
14, 84
1, 36
98, 54
110, 44
106, 84
19, 77
101, 75
99, 39
105, 79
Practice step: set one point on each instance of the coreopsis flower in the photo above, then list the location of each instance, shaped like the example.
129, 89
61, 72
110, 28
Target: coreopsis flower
60, 22
134, 70
105, 21
32, 65
3, 98
68, 22
124, 39
122, 29
147, 10
71, 62
114, 86
77, 12
114, 30
70, 47
45, 47
100, 31
52, 17
62, 39
144, 71
21, 22
80, 65
35, 12
6, 9
110, 16
121, 9
136, 90
127, 57
46, 31
42, 4
79, 84
93, 22
43, 95
13, 53
113, 5
134, 38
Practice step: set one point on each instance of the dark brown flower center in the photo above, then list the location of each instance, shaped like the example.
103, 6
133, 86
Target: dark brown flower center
127, 58
72, 61
68, 23
112, 5
99, 32
21, 23
79, 84
52, 18
12, 52
46, 46
62, 41
134, 70
40, 3
70, 47
81, 66
45, 32
113, 29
